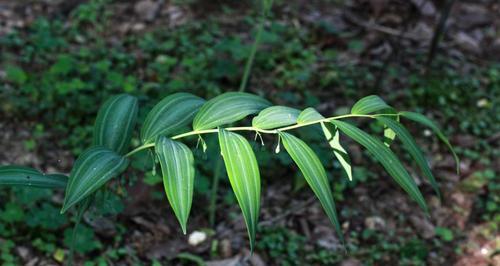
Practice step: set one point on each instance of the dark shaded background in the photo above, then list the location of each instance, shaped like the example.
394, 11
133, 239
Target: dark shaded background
61, 59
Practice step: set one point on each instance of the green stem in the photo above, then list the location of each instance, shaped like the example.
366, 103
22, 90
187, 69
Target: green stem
81, 210
265, 131
266, 7
213, 193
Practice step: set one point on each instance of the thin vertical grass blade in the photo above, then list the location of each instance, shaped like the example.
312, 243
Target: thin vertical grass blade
177, 166
24, 176
228, 108
275, 116
169, 115
412, 148
314, 174
115, 122
244, 176
387, 158
92, 170
419, 118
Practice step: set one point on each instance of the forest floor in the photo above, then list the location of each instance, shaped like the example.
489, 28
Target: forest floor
61, 58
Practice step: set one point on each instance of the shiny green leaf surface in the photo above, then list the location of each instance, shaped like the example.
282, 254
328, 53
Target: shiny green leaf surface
25, 176
369, 104
244, 176
228, 108
115, 122
92, 170
314, 174
177, 166
309, 115
419, 118
412, 147
387, 158
275, 116
169, 115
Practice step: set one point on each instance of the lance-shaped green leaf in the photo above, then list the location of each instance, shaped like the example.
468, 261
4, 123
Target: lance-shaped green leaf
387, 158
419, 118
369, 104
412, 148
314, 174
115, 123
332, 136
24, 176
177, 166
228, 108
275, 116
169, 115
92, 170
244, 176
309, 115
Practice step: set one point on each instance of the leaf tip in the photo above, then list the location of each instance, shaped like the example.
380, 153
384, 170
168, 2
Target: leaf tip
426, 211
438, 194
344, 248
427, 214
64, 209
252, 247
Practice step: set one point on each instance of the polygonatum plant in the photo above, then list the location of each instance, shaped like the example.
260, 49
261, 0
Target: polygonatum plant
160, 133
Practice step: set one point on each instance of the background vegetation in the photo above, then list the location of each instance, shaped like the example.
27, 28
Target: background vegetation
61, 60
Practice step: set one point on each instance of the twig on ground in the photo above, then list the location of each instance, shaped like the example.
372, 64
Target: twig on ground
395, 51
374, 26
288, 212
494, 137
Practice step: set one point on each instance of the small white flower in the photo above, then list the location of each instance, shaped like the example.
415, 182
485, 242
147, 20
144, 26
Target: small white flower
196, 238
427, 133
